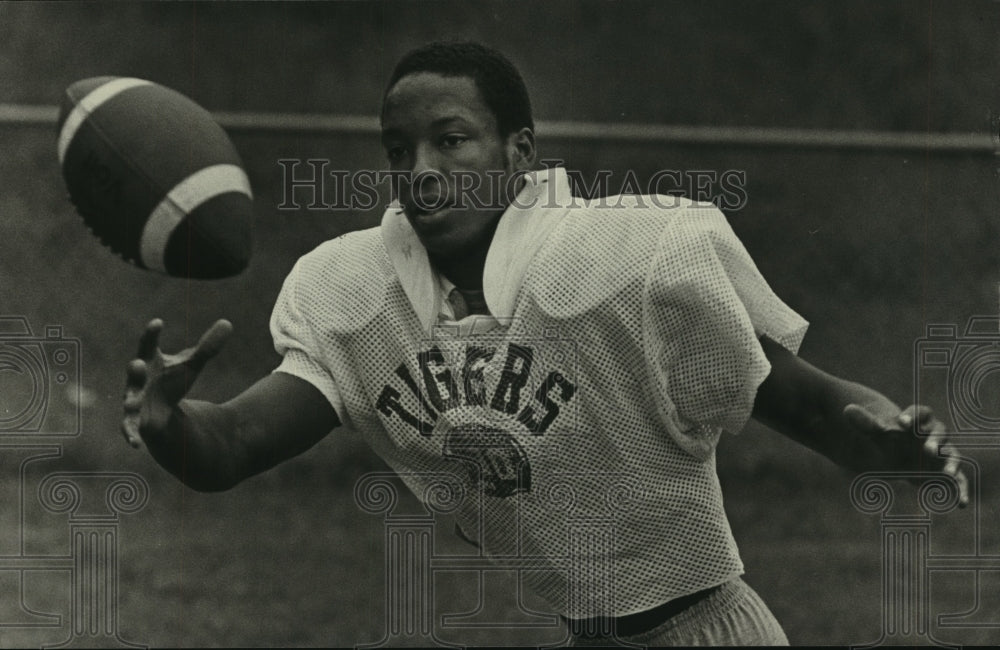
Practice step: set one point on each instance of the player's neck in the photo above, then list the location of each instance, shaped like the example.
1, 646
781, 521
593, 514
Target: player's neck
465, 272
465, 269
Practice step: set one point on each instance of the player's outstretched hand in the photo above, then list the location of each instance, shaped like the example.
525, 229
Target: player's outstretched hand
156, 382
894, 444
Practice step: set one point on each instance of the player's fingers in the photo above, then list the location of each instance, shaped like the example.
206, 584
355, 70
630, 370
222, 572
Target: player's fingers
210, 343
135, 391
150, 339
938, 447
136, 374
916, 413
862, 419
936, 444
963, 489
130, 430
953, 469
132, 403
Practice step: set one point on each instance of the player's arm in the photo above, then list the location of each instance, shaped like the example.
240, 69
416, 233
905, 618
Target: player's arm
211, 446
853, 425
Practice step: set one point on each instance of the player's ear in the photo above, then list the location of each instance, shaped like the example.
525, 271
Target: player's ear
521, 144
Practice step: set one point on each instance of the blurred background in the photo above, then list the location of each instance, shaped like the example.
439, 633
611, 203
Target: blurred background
870, 246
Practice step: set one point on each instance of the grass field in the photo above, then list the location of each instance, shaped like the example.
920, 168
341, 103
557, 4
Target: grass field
870, 248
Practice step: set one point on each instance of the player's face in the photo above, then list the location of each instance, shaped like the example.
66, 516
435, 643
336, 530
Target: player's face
458, 173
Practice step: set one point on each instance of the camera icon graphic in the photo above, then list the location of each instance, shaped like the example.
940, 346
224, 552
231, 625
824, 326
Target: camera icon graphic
968, 364
39, 380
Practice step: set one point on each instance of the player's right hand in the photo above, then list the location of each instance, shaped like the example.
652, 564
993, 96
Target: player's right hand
156, 382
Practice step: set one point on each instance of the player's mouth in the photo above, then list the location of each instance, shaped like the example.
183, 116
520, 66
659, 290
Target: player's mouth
428, 214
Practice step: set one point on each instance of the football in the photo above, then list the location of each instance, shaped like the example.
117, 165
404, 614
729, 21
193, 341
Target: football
155, 177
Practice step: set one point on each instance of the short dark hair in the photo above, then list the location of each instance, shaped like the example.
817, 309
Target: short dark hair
498, 81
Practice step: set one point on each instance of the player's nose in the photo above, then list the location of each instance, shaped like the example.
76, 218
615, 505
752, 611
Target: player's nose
426, 160
426, 194
426, 185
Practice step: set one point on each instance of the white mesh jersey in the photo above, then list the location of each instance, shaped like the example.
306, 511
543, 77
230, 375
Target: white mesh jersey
579, 425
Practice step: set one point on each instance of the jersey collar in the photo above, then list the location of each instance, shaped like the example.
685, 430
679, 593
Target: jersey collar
523, 229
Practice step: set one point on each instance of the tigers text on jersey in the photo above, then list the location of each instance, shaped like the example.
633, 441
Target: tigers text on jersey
579, 422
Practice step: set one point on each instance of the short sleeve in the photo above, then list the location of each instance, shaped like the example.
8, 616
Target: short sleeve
295, 339
705, 307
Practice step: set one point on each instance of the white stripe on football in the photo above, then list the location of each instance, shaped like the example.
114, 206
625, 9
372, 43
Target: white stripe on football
155, 177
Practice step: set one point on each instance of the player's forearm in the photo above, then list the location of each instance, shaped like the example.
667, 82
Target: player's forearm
829, 432
199, 446
807, 405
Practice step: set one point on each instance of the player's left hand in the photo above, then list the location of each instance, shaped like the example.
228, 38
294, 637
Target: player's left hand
893, 443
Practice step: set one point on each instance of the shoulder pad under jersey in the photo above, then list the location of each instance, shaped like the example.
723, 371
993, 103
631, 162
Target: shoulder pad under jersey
343, 283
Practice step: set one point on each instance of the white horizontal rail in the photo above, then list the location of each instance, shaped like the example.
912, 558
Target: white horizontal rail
663, 134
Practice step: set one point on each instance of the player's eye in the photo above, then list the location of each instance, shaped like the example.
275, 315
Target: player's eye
395, 153
453, 140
